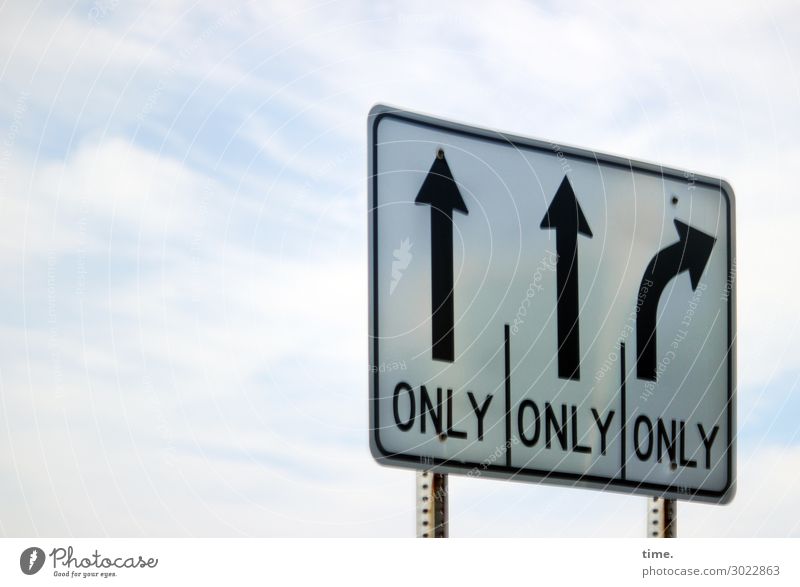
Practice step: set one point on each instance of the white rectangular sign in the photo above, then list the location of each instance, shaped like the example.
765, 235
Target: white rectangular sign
545, 313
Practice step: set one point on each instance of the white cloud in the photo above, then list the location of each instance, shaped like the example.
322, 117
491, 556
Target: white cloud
768, 489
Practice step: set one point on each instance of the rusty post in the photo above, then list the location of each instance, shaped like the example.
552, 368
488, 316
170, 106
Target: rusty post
662, 518
432, 515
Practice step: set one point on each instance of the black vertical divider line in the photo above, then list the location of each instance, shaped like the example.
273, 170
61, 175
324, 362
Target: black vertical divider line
508, 395
624, 418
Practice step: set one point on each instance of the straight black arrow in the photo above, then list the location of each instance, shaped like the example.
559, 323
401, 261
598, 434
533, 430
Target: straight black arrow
690, 253
440, 192
566, 217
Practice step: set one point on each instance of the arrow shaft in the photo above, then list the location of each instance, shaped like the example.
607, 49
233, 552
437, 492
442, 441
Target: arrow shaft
443, 314
661, 270
567, 305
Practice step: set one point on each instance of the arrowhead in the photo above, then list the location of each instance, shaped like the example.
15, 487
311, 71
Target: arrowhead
440, 190
565, 211
696, 250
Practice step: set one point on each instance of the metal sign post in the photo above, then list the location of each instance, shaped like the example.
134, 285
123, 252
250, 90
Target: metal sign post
662, 518
432, 514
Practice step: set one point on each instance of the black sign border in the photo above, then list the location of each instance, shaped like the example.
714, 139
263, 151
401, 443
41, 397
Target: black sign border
380, 112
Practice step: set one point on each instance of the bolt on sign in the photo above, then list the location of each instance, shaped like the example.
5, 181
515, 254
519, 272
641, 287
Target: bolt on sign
562, 316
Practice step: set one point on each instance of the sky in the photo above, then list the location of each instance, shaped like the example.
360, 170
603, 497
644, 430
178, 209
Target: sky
183, 231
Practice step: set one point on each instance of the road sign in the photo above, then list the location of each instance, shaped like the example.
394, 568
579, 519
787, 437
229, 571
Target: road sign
545, 313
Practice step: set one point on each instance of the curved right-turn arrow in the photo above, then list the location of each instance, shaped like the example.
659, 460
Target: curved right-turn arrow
690, 253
